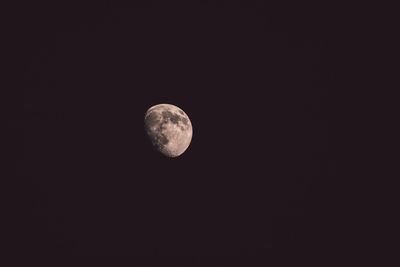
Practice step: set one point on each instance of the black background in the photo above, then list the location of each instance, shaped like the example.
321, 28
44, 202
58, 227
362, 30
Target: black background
88, 190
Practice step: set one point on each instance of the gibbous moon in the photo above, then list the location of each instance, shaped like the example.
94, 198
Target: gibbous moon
169, 129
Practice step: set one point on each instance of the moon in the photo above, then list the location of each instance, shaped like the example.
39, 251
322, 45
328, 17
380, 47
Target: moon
169, 129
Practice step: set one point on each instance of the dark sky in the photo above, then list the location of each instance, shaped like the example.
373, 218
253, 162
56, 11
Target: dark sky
88, 190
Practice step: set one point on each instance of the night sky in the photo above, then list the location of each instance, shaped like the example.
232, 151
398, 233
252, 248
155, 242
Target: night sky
88, 189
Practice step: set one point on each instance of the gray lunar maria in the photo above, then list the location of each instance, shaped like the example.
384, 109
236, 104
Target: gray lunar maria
169, 129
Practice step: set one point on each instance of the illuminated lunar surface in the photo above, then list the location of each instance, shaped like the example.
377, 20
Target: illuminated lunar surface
169, 129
